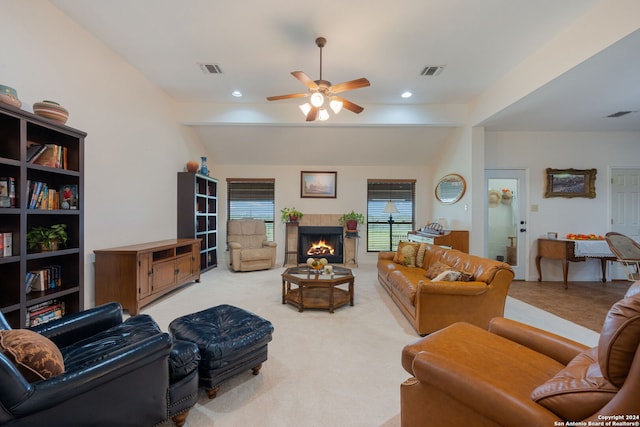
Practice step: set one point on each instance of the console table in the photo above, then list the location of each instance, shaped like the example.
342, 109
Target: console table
574, 251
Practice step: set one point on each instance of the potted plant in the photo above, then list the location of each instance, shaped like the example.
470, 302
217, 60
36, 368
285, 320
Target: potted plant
351, 220
46, 238
290, 215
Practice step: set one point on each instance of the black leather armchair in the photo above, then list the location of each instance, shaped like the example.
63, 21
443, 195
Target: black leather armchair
116, 373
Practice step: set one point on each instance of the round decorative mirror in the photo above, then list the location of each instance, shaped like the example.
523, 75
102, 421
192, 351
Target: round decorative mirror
450, 188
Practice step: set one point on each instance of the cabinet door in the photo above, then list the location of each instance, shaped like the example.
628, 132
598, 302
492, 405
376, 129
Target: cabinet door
144, 275
164, 274
184, 267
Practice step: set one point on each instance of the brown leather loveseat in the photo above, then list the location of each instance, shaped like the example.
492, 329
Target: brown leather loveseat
518, 375
408, 275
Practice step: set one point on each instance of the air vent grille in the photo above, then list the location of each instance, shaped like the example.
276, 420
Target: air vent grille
620, 114
432, 70
210, 68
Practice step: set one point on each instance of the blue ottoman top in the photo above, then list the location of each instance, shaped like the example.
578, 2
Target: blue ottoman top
222, 333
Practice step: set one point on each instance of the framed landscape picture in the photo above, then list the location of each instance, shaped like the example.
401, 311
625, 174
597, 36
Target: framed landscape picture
571, 183
318, 184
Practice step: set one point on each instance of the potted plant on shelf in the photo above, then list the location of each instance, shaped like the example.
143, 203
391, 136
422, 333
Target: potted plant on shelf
351, 220
46, 238
290, 215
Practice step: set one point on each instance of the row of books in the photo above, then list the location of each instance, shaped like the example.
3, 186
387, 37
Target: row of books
44, 312
42, 196
49, 277
52, 155
6, 244
7, 192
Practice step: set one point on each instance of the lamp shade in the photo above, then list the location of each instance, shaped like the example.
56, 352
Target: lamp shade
317, 99
336, 105
323, 114
305, 108
390, 208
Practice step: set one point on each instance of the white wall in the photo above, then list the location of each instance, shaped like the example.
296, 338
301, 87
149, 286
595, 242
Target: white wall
134, 145
351, 194
537, 151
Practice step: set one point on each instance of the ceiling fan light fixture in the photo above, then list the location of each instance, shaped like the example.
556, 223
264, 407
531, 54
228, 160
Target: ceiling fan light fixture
305, 108
323, 114
317, 99
335, 105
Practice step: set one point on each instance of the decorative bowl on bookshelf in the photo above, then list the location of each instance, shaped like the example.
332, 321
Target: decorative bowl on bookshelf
51, 110
8, 95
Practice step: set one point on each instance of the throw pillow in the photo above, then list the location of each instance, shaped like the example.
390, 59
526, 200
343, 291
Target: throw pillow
465, 277
406, 253
447, 276
422, 250
437, 268
36, 357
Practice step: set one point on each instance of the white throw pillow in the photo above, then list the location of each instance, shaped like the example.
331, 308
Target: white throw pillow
447, 276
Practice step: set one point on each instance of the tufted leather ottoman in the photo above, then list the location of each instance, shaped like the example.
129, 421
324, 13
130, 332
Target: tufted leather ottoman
230, 341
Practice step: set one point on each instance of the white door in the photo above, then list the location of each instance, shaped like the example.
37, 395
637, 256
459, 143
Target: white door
505, 227
625, 199
625, 209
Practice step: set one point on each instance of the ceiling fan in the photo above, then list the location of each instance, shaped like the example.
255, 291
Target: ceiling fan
321, 91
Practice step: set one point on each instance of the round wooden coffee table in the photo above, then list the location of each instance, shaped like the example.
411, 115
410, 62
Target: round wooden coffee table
303, 288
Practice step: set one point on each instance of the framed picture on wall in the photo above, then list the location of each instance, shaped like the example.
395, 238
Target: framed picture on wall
320, 185
571, 183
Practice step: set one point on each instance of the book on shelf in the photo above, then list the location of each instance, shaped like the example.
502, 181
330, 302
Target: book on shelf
49, 277
6, 244
54, 156
7, 192
44, 312
34, 150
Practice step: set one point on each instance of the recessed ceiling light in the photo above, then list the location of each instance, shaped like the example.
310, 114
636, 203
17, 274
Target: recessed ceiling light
406, 94
236, 93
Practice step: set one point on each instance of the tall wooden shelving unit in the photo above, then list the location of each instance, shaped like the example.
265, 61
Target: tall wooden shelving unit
198, 214
16, 128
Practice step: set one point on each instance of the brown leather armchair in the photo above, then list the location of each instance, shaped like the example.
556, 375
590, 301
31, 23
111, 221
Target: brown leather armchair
517, 375
249, 249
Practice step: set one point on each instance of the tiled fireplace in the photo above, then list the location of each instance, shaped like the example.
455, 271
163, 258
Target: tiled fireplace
320, 242
328, 229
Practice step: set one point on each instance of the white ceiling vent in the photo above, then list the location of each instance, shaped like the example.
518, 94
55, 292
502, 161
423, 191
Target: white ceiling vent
432, 70
210, 68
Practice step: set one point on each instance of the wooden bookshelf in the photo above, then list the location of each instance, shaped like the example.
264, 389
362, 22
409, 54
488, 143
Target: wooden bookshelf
18, 129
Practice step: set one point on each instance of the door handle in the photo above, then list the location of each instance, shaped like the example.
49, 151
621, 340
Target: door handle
522, 230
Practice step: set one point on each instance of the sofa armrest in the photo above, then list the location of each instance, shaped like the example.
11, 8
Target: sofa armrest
453, 378
555, 346
451, 288
78, 326
234, 245
136, 358
386, 255
269, 244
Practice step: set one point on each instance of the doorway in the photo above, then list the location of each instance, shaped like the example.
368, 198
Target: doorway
505, 219
625, 209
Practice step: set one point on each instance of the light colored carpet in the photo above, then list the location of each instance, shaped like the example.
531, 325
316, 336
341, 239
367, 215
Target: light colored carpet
340, 369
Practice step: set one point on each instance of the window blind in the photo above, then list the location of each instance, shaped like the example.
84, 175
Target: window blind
252, 198
402, 194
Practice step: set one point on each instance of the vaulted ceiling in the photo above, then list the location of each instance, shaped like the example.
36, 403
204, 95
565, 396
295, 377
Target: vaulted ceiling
480, 44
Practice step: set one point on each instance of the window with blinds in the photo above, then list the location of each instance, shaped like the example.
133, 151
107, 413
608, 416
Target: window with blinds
382, 236
252, 198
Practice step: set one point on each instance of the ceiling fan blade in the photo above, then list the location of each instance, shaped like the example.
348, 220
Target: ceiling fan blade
291, 95
349, 105
313, 113
306, 80
350, 85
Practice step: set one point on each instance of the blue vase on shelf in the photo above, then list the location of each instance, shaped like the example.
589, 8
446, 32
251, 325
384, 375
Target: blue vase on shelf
204, 169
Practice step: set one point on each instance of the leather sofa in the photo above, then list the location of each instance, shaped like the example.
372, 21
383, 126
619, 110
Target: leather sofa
517, 375
432, 305
114, 372
249, 249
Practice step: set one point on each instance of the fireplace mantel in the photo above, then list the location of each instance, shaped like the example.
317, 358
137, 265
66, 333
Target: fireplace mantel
317, 220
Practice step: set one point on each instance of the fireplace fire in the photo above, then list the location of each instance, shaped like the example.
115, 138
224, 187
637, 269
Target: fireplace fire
321, 248
320, 242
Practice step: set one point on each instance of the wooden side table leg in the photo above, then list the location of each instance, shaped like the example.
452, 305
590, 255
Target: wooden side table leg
539, 270
565, 272
331, 288
351, 293
603, 267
